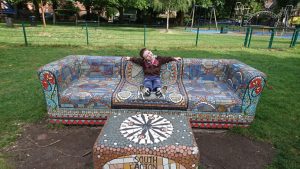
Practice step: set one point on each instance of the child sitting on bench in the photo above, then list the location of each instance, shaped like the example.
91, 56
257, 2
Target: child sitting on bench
151, 65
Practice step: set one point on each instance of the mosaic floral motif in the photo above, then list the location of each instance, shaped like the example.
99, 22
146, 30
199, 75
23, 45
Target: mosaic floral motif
256, 83
247, 83
48, 78
146, 128
50, 90
252, 95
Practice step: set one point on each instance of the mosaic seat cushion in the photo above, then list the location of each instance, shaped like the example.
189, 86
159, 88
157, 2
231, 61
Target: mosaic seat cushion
128, 95
212, 96
96, 80
89, 93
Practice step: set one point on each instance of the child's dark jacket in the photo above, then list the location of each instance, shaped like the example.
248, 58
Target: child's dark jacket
152, 69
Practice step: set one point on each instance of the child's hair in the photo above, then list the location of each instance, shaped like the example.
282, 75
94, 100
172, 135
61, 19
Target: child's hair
142, 52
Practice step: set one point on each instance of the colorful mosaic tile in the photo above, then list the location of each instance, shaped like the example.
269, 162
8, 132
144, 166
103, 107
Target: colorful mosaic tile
211, 92
142, 162
175, 96
122, 142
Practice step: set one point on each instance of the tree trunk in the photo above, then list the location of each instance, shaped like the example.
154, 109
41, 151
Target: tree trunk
42, 6
168, 16
151, 16
193, 15
140, 17
121, 17
180, 17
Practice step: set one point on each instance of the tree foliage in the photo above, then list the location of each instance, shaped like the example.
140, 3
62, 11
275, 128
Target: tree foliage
224, 8
138, 4
283, 3
210, 3
174, 5
171, 5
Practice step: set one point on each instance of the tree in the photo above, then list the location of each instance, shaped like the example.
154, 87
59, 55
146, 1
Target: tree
54, 4
171, 5
88, 5
123, 4
38, 4
17, 4
42, 6
94, 4
209, 3
283, 3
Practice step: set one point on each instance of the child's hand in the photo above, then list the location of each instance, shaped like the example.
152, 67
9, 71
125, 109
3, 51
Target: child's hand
177, 58
127, 58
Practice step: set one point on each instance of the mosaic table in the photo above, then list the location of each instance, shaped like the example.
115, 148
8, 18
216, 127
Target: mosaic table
146, 141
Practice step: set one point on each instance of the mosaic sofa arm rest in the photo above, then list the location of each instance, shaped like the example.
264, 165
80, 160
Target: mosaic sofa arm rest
56, 76
247, 83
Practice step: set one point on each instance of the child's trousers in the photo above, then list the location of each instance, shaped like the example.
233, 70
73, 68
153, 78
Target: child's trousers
152, 82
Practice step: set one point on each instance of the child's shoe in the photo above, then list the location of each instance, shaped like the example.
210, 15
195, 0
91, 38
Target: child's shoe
147, 92
158, 93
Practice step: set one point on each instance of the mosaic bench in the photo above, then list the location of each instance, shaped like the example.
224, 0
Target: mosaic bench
147, 141
212, 93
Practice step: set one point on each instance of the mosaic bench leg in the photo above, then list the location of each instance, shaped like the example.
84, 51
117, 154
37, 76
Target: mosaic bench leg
146, 141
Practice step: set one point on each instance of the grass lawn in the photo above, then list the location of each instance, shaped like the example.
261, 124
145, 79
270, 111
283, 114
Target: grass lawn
278, 113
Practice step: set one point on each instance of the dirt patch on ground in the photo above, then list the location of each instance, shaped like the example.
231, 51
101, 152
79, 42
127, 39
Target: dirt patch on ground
70, 148
232, 151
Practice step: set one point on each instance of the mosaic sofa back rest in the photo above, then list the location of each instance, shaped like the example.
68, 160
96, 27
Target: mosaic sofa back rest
169, 73
100, 67
205, 69
64, 71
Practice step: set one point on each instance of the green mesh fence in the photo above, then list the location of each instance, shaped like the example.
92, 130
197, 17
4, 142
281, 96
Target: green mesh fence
133, 36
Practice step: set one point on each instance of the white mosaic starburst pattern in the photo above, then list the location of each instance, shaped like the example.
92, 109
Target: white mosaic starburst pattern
146, 128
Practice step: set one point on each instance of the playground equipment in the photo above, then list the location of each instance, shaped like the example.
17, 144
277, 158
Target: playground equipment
240, 11
286, 19
295, 17
271, 19
295, 20
286, 15
263, 18
212, 14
